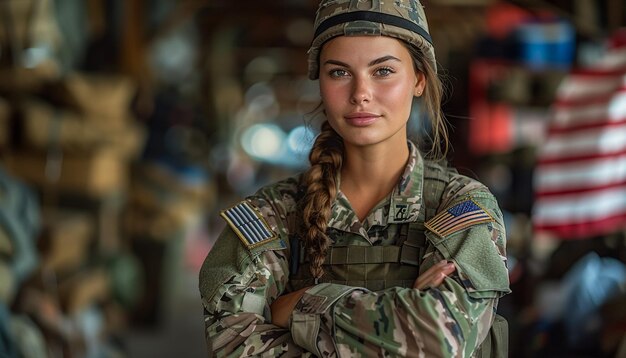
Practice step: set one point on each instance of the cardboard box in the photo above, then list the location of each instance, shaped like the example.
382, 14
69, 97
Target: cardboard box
33, 22
97, 174
65, 244
28, 80
45, 124
162, 205
97, 96
84, 289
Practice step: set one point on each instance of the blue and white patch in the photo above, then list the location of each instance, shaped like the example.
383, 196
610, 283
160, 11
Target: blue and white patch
249, 225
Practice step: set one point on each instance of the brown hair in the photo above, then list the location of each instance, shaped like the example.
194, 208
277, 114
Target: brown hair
320, 183
326, 158
432, 97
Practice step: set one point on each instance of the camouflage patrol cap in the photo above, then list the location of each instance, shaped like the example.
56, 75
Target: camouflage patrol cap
402, 19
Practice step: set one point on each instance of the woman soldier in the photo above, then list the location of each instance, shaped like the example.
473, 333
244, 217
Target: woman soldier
374, 250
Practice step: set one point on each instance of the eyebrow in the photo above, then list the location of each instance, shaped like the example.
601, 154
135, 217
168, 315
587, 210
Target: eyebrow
372, 63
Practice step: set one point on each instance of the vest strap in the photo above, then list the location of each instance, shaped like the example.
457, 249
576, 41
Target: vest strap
294, 260
414, 246
375, 285
346, 255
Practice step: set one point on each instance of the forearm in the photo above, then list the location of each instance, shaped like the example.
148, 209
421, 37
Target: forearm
246, 334
238, 324
409, 322
404, 322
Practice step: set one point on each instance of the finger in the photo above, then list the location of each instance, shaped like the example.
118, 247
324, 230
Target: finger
430, 273
438, 279
435, 277
434, 281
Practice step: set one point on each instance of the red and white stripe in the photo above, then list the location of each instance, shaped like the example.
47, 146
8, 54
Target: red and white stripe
580, 179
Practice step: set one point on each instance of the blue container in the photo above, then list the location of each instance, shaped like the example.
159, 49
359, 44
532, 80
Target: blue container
544, 44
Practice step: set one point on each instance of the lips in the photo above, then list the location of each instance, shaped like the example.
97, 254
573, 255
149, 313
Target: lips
361, 119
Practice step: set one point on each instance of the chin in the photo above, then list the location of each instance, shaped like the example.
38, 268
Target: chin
362, 141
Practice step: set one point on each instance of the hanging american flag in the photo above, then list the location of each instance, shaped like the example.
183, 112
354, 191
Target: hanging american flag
457, 217
580, 179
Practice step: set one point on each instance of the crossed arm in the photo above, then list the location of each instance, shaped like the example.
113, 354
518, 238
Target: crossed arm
248, 317
284, 305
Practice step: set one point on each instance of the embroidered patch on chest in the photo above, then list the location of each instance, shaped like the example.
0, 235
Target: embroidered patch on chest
458, 217
248, 224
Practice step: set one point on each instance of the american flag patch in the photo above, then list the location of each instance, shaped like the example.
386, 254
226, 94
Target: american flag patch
248, 224
457, 217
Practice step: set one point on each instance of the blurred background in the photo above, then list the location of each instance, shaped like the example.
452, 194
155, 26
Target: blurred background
126, 125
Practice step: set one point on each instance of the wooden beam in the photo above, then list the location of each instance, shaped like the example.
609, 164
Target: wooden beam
615, 14
133, 46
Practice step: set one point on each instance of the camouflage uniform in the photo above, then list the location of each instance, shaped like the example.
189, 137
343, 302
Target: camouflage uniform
239, 281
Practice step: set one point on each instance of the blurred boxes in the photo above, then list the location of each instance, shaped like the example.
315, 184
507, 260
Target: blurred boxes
98, 174
32, 21
162, 205
99, 97
64, 245
28, 80
84, 289
78, 136
75, 132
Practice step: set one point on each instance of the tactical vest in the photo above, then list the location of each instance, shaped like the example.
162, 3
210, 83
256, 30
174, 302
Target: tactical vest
380, 267
375, 267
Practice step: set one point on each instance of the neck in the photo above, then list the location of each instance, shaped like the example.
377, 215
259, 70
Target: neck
370, 173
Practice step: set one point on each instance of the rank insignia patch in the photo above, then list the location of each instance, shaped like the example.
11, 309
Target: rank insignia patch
248, 224
458, 217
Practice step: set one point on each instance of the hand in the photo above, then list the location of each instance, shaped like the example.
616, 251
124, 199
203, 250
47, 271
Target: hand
283, 306
434, 276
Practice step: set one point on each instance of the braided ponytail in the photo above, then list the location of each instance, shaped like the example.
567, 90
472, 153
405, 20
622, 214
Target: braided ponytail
320, 183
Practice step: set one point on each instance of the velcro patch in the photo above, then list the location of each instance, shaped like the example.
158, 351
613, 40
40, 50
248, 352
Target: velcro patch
248, 224
458, 217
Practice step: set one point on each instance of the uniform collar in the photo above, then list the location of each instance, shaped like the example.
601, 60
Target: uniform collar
401, 206
406, 198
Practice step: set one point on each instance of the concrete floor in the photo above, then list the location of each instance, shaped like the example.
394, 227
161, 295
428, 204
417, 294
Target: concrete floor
181, 333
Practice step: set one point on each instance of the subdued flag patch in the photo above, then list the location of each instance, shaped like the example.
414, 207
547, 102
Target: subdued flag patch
458, 217
248, 224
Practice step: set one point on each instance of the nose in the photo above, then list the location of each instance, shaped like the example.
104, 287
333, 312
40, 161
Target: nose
361, 91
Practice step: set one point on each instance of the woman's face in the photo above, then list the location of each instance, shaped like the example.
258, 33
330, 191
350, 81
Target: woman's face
367, 85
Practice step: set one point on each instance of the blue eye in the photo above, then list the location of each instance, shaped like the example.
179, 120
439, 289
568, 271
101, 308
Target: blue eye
338, 73
384, 71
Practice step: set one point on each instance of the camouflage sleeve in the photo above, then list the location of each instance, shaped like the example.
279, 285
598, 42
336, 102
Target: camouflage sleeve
237, 289
237, 286
448, 321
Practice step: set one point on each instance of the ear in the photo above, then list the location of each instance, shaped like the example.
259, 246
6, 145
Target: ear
420, 84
